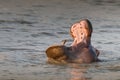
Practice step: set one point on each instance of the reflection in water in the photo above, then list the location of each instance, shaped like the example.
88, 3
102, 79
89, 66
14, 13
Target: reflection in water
77, 73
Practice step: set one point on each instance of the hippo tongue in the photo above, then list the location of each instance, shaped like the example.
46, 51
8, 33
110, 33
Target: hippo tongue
79, 32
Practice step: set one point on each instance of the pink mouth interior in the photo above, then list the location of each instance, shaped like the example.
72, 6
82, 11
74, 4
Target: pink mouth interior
79, 33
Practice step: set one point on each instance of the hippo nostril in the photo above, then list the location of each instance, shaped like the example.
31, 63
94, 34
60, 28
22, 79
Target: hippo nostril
81, 33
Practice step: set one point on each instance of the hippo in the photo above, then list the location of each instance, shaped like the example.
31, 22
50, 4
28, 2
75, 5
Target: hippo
81, 49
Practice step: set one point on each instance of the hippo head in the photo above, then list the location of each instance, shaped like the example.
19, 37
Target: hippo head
81, 32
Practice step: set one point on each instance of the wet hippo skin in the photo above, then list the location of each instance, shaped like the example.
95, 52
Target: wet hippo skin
80, 51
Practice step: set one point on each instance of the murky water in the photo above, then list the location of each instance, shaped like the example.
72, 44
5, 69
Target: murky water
28, 27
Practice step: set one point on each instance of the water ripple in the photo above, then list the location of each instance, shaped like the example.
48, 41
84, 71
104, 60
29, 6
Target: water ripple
18, 49
43, 34
61, 32
16, 22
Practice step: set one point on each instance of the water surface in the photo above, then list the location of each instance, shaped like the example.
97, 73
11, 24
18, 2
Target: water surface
28, 27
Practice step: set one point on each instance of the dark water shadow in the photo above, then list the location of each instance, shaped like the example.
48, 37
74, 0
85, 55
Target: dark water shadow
101, 2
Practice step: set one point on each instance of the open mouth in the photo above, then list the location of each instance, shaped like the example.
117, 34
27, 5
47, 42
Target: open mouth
79, 32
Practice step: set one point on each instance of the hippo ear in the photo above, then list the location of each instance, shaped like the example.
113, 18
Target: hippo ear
63, 42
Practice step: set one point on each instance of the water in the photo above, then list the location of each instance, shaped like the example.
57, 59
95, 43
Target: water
28, 27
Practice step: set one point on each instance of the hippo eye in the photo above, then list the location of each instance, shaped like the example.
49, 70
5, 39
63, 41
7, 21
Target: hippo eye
81, 37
